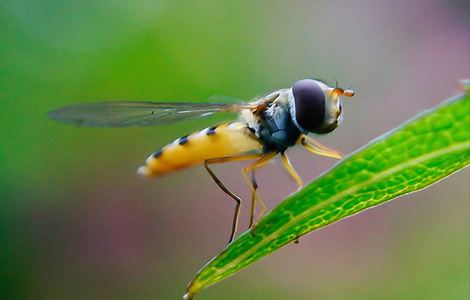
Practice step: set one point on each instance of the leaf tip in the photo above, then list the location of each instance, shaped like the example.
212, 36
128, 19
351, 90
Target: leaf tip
191, 290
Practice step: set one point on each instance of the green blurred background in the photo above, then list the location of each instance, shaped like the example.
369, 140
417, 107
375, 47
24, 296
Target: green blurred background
77, 223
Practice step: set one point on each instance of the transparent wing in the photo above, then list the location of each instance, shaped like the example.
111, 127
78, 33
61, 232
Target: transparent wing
136, 113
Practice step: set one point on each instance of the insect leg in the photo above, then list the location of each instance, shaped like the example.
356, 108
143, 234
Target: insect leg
262, 161
317, 148
290, 169
225, 189
253, 199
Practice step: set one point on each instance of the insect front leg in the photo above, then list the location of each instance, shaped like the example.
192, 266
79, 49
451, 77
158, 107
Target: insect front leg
316, 147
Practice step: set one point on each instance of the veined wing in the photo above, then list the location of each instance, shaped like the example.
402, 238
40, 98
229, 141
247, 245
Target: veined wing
136, 113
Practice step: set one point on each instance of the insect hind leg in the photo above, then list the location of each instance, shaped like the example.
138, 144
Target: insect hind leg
226, 190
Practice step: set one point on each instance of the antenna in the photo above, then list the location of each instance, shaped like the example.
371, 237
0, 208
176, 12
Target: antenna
340, 92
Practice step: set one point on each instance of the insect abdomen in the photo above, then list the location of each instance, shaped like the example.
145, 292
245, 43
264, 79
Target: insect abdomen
213, 142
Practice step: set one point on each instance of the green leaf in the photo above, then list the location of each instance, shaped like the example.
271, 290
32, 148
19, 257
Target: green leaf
409, 158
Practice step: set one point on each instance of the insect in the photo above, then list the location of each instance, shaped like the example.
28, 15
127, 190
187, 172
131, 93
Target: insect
266, 127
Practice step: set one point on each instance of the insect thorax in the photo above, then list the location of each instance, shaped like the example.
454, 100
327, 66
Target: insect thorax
274, 126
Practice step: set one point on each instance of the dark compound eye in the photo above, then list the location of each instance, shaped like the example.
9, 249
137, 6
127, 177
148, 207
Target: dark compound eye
309, 104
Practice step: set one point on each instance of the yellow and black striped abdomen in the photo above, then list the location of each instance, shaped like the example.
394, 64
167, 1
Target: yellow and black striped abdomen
213, 142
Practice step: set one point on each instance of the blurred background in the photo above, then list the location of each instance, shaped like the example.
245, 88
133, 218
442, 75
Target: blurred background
77, 223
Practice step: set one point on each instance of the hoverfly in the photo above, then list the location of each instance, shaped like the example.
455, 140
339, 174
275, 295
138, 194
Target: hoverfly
265, 128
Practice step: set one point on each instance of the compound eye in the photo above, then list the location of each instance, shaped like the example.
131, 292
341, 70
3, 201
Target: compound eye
309, 101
